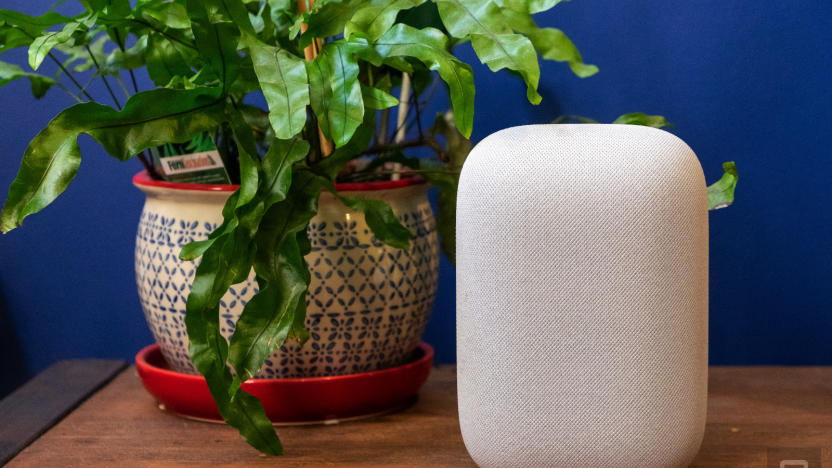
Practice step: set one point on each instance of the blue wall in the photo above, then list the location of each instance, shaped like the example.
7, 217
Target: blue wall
742, 81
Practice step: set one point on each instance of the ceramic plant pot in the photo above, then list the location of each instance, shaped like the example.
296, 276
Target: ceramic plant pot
367, 305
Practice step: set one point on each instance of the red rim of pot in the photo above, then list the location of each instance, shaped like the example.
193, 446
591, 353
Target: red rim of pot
145, 365
144, 180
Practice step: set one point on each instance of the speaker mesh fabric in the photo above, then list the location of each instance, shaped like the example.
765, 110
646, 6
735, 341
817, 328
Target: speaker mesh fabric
582, 256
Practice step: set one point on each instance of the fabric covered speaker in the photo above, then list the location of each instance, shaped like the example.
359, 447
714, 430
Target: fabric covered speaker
582, 298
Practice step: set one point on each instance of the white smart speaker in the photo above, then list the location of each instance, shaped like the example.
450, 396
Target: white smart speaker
582, 298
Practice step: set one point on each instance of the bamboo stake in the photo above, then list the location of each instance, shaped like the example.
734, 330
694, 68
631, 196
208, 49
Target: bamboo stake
401, 128
310, 52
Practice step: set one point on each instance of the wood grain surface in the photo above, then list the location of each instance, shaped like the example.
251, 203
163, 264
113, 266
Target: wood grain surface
752, 412
40, 403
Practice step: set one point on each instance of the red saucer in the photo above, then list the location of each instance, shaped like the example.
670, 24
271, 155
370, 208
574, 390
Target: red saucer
292, 401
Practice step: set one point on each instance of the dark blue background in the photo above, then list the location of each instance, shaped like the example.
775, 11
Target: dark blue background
744, 81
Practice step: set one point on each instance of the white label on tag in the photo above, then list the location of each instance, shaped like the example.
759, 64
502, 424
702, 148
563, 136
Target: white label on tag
191, 162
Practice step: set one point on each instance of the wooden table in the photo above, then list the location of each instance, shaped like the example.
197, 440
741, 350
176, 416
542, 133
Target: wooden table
752, 411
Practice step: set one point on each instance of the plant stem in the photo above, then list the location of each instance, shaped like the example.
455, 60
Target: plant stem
103, 78
121, 44
61, 66
123, 87
428, 141
363, 176
162, 32
70, 93
133, 79
415, 171
415, 100
72, 78
383, 148
88, 83
148, 166
404, 125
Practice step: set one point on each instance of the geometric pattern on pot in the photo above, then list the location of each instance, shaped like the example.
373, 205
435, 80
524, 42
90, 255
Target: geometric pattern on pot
367, 305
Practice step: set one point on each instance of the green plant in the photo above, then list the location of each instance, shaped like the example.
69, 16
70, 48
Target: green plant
327, 75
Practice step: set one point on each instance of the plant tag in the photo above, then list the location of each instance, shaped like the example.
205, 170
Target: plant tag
196, 168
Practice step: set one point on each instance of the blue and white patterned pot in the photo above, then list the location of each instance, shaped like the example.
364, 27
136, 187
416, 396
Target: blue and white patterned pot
368, 303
